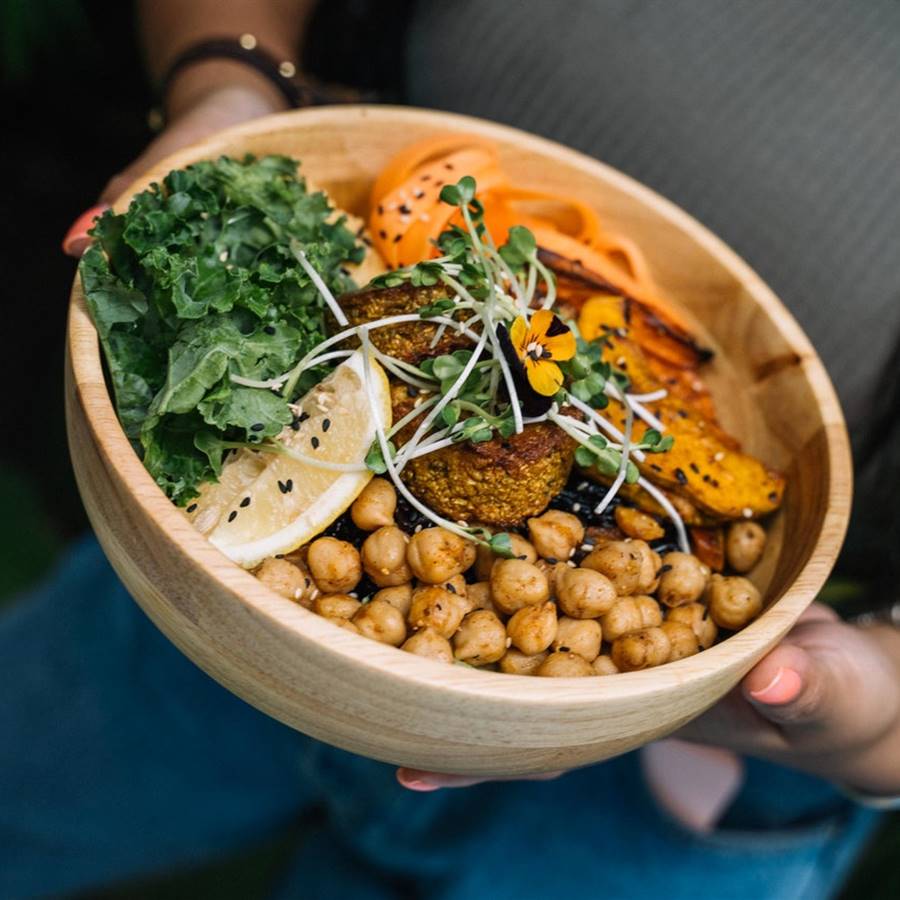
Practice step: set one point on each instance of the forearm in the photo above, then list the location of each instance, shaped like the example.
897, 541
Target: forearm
168, 27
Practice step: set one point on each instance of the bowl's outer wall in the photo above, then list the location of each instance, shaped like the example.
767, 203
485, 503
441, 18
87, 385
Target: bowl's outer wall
376, 700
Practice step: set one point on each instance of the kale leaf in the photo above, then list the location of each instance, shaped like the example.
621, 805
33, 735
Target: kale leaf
194, 283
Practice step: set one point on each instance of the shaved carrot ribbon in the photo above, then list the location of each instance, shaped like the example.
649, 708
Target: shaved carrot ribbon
407, 215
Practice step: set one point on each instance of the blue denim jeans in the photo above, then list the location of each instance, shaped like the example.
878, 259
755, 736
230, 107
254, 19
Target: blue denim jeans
119, 758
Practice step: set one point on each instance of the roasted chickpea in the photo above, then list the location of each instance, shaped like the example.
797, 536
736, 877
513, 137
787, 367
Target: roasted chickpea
733, 602
375, 506
516, 583
334, 565
744, 545
637, 524
485, 558
456, 585
479, 595
622, 562
682, 638
682, 579
603, 665
553, 572
697, 616
584, 593
436, 555
630, 614
480, 639
433, 607
641, 649
564, 665
650, 568
382, 622
581, 636
555, 534
428, 643
341, 622
399, 595
515, 662
384, 556
533, 628
287, 579
336, 606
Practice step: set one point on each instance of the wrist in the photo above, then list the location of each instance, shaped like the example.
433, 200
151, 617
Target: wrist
202, 81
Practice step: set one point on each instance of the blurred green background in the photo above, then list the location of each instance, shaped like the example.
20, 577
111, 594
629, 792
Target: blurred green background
73, 88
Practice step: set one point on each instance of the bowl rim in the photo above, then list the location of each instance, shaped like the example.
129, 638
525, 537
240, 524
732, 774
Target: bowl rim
739, 650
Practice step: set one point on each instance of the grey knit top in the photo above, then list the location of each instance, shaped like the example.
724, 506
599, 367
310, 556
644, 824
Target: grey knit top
774, 122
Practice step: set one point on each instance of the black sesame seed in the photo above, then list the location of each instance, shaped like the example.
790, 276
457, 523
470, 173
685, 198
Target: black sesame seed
257, 426
412, 391
232, 515
326, 424
450, 588
304, 416
682, 413
664, 568
655, 467
695, 468
245, 502
282, 487
707, 479
563, 649
680, 477
552, 560
403, 209
289, 485
192, 507
398, 238
380, 210
295, 423
382, 234
269, 329
426, 177
448, 166
714, 483
315, 442
773, 496
418, 193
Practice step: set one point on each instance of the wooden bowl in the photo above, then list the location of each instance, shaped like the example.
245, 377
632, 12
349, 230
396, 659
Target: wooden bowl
397, 707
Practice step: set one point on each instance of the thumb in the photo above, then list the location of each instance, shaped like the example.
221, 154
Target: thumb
796, 687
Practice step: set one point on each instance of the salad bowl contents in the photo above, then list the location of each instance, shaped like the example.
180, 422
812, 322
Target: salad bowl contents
477, 419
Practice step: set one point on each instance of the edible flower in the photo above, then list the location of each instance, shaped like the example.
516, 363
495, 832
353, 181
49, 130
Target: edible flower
539, 345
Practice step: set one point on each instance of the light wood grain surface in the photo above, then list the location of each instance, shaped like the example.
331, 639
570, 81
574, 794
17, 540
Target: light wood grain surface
373, 699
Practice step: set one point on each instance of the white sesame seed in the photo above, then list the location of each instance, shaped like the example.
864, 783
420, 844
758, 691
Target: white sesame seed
223, 256
586, 548
719, 456
576, 507
571, 564
747, 512
298, 593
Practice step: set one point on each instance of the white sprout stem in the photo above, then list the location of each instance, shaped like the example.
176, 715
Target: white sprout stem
549, 280
619, 480
613, 391
392, 366
648, 398
389, 463
438, 334
321, 287
271, 384
670, 510
450, 394
532, 284
414, 413
354, 331
604, 425
510, 275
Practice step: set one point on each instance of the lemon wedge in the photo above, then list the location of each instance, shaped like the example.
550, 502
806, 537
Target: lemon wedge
265, 503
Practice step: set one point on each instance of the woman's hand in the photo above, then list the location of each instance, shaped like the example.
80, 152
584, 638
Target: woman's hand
826, 700
199, 107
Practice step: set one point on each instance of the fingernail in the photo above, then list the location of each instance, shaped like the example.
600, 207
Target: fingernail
414, 784
77, 238
783, 688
